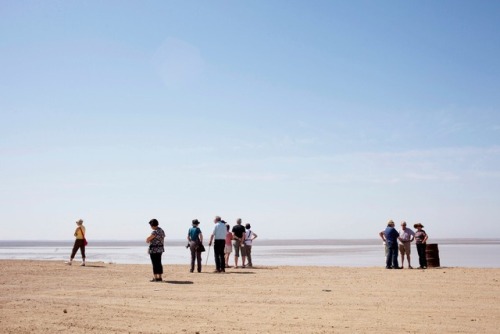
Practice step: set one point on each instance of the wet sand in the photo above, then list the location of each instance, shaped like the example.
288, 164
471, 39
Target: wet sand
50, 297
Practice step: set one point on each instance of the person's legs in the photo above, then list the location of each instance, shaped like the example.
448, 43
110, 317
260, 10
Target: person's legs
419, 252
219, 245
157, 265
248, 251
388, 258
243, 255
236, 252
198, 259
421, 255
395, 264
407, 247
73, 252
82, 250
227, 254
192, 248
217, 255
402, 252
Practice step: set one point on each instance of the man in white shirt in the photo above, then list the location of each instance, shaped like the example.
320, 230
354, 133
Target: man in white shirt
406, 236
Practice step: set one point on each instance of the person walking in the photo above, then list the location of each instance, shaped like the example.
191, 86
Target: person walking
80, 243
421, 242
391, 237
219, 234
156, 249
228, 247
195, 239
406, 237
249, 237
239, 243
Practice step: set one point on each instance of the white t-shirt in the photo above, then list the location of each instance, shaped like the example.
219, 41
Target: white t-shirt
248, 237
405, 234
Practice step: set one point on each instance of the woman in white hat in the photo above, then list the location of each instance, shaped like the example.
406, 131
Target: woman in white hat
79, 242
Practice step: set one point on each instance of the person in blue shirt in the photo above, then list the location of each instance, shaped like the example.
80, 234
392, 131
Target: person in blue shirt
391, 238
195, 239
219, 235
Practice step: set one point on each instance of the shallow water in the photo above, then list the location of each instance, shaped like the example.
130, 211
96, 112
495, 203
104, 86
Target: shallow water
480, 253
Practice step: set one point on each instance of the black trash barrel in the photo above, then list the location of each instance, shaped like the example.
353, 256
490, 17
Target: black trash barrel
432, 255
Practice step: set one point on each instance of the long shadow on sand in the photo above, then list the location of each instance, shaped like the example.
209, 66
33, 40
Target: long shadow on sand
94, 266
240, 272
179, 282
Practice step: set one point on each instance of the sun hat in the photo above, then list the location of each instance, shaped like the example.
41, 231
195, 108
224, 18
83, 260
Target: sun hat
195, 222
418, 225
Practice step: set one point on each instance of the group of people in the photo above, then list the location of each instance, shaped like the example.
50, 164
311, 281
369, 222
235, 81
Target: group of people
224, 239
401, 240
240, 238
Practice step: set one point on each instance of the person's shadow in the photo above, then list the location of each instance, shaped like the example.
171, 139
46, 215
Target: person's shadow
179, 282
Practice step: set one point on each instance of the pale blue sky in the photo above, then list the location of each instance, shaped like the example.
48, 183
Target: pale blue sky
308, 119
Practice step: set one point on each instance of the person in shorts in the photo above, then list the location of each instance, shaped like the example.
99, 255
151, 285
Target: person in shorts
239, 243
406, 236
229, 246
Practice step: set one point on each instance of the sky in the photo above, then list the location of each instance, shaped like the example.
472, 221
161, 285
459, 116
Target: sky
307, 119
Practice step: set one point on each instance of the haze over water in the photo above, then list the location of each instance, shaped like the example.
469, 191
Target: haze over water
481, 253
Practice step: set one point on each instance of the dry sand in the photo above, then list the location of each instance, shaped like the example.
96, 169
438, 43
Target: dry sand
50, 297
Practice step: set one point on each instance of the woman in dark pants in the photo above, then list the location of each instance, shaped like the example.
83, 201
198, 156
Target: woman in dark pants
79, 243
195, 238
420, 240
156, 249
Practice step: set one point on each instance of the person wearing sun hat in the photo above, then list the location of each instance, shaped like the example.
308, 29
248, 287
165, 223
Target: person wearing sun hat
79, 242
382, 236
420, 241
391, 238
195, 238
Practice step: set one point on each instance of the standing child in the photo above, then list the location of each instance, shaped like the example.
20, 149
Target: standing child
249, 237
229, 246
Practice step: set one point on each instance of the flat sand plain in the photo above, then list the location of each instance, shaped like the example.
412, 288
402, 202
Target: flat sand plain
51, 297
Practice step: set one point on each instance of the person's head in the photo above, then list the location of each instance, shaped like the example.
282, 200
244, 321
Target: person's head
217, 219
418, 226
403, 225
238, 221
247, 226
390, 223
153, 223
196, 222
79, 222
227, 227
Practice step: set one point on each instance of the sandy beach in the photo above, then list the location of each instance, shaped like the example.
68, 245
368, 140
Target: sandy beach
51, 297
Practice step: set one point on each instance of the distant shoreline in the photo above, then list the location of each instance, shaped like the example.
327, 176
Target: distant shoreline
263, 242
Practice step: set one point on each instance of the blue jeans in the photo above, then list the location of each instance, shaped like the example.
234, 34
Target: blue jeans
392, 255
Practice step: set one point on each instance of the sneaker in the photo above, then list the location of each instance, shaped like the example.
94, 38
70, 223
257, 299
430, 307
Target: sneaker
82, 265
68, 263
